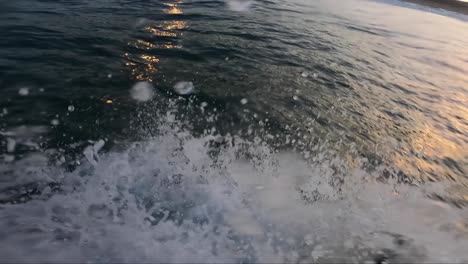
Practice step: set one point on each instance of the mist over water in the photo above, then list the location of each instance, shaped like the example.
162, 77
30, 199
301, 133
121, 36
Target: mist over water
232, 131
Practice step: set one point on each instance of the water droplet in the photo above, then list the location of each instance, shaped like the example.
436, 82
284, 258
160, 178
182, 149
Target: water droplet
239, 5
54, 122
8, 158
71, 108
142, 91
11, 145
23, 91
98, 146
295, 98
226, 59
91, 152
315, 75
140, 22
41, 90
184, 88
109, 75
244, 101
305, 74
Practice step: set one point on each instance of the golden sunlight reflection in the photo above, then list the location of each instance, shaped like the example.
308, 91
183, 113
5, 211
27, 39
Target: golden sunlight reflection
150, 59
430, 145
171, 25
143, 61
160, 33
173, 8
437, 142
173, 11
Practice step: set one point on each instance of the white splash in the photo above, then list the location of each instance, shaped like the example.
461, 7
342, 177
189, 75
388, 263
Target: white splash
168, 200
184, 88
55, 122
172, 199
244, 101
71, 108
91, 152
25, 136
25, 132
142, 91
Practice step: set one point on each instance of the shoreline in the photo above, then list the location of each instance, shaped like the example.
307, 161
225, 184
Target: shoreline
449, 5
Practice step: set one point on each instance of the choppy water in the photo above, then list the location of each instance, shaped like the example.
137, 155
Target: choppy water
323, 131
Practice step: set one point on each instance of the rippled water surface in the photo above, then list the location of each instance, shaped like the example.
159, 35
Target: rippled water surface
318, 130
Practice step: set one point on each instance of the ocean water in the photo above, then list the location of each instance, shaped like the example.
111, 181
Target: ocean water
233, 131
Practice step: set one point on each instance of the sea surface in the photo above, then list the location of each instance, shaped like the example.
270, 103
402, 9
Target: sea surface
266, 131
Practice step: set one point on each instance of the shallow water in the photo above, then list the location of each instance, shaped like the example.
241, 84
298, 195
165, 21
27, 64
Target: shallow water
314, 131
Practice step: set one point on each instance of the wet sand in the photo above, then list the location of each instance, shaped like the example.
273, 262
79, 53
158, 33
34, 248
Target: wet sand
450, 5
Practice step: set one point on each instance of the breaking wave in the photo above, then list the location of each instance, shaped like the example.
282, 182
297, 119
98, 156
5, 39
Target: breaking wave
176, 197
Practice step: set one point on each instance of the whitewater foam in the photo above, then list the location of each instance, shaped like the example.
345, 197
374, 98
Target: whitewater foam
178, 198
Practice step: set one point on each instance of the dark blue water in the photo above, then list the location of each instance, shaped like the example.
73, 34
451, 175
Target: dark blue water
316, 131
